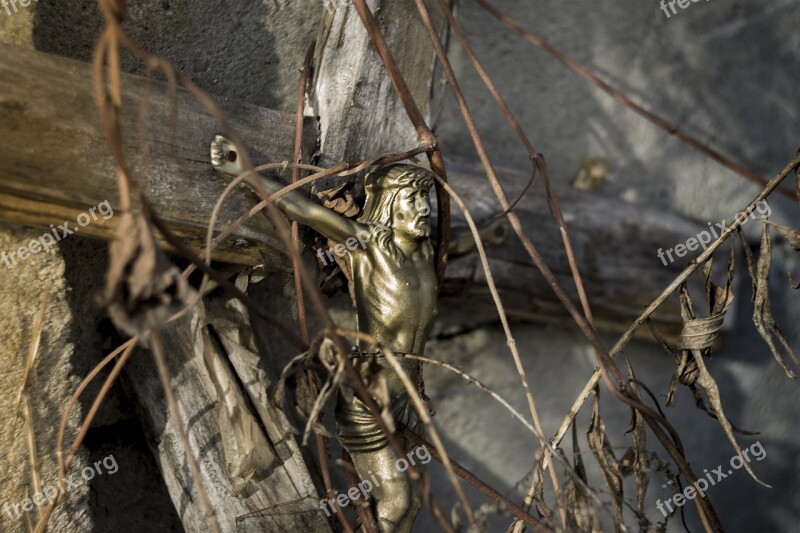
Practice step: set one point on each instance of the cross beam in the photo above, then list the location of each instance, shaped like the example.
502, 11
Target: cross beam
55, 164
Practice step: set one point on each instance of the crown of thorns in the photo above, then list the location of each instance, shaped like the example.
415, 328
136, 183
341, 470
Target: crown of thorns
397, 176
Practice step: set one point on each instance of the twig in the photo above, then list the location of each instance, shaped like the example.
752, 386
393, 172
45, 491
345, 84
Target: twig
177, 419
476, 482
422, 411
622, 391
474, 381
516, 414
24, 398
362, 507
41, 526
426, 136
672, 287
510, 341
537, 161
448, 71
322, 447
62, 429
296, 158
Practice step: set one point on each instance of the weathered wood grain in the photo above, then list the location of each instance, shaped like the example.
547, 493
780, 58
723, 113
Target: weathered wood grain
55, 164
360, 113
278, 494
616, 241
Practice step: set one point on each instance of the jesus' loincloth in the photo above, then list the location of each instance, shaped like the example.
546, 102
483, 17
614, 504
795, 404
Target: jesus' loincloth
357, 428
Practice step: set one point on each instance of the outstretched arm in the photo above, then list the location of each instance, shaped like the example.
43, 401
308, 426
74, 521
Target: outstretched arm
225, 159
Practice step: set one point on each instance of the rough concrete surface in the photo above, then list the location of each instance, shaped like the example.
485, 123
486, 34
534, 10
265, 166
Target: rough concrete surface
234, 49
51, 382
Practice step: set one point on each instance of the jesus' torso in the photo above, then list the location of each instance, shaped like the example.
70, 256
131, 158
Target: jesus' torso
395, 301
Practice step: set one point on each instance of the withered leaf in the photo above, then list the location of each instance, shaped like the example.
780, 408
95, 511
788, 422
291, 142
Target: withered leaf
596, 435
636, 459
143, 288
696, 340
538, 494
791, 235
762, 315
581, 514
340, 199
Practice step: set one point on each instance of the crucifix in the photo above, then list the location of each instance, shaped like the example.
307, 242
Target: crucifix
394, 290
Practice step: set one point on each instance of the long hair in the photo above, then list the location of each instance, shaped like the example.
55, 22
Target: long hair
381, 186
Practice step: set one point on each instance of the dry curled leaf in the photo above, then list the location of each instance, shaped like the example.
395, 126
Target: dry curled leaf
698, 334
340, 199
695, 344
538, 495
143, 288
581, 515
609, 467
636, 459
762, 315
791, 235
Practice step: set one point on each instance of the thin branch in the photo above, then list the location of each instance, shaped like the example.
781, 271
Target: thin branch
510, 341
622, 390
177, 419
426, 136
475, 381
555, 208
62, 429
41, 526
297, 156
476, 482
672, 287
24, 398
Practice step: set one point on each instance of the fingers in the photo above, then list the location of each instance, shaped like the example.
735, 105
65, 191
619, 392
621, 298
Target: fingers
223, 154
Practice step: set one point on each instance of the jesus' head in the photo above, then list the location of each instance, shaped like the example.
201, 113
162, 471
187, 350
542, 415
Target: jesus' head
397, 198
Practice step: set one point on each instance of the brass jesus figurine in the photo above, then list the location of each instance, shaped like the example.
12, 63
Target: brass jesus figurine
394, 288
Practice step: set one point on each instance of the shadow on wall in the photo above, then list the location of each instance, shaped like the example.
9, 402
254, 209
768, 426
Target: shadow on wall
135, 497
722, 73
226, 48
